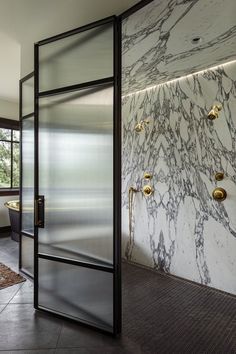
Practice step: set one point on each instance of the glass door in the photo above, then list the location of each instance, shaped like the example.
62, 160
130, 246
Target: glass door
77, 176
26, 259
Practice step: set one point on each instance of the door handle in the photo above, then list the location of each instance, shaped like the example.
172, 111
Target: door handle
39, 211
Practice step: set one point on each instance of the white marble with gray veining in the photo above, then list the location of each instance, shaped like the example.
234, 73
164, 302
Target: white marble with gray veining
181, 229
156, 40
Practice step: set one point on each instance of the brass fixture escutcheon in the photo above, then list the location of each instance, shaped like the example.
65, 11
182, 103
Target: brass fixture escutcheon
219, 176
219, 194
147, 175
147, 190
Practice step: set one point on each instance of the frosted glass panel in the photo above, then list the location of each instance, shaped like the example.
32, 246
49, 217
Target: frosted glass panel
80, 58
76, 174
27, 254
28, 175
28, 97
78, 292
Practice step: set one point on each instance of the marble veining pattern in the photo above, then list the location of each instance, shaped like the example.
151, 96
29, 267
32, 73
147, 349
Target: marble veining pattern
156, 41
181, 229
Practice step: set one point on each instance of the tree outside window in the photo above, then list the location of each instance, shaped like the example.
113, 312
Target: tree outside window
9, 158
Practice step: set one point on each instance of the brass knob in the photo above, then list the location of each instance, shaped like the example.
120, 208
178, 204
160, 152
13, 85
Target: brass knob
219, 194
147, 190
219, 176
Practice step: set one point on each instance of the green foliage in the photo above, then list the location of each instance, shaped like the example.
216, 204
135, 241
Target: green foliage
16, 166
5, 160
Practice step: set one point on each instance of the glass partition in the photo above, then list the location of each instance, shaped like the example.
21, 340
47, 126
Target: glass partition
77, 192
27, 255
76, 174
79, 58
27, 175
28, 96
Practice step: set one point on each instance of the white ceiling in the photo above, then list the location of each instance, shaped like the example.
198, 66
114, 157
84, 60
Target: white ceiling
23, 22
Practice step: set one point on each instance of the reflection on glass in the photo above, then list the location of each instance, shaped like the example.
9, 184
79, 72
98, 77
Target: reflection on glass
5, 164
76, 174
27, 254
78, 292
28, 96
28, 175
80, 58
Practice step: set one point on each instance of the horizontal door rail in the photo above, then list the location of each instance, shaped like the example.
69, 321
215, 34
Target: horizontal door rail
82, 86
27, 77
27, 234
77, 30
29, 115
100, 327
134, 8
27, 273
76, 262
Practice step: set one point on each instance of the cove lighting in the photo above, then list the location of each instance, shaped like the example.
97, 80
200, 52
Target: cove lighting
178, 79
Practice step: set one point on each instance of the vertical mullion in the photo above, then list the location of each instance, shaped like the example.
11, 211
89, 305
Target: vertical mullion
11, 158
117, 178
36, 166
21, 172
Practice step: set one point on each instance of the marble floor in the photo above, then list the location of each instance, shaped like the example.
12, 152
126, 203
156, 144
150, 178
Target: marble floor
161, 314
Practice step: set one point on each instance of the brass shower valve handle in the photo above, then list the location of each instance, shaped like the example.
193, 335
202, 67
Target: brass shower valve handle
147, 190
219, 176
219, 194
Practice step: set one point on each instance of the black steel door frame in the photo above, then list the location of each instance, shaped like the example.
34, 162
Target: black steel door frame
116, 81
23, 117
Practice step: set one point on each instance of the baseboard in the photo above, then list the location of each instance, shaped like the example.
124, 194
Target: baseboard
4, 229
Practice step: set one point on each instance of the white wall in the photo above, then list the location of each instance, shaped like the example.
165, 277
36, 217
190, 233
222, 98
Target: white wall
9, 110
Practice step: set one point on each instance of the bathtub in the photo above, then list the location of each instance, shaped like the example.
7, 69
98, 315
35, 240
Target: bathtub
14, 215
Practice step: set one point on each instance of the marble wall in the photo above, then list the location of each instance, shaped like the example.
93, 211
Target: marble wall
180, 229
157, 40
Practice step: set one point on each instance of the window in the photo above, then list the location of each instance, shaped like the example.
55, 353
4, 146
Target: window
9, 155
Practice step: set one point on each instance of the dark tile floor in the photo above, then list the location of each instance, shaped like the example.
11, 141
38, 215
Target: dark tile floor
161, 314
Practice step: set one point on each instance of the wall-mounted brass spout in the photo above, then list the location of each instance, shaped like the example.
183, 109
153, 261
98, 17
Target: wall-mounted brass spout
214, 112
141, 125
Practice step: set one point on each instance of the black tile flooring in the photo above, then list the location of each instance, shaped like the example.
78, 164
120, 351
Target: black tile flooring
161, 314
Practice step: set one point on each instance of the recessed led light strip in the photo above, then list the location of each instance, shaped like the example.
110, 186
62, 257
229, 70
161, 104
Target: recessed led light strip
178, 79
